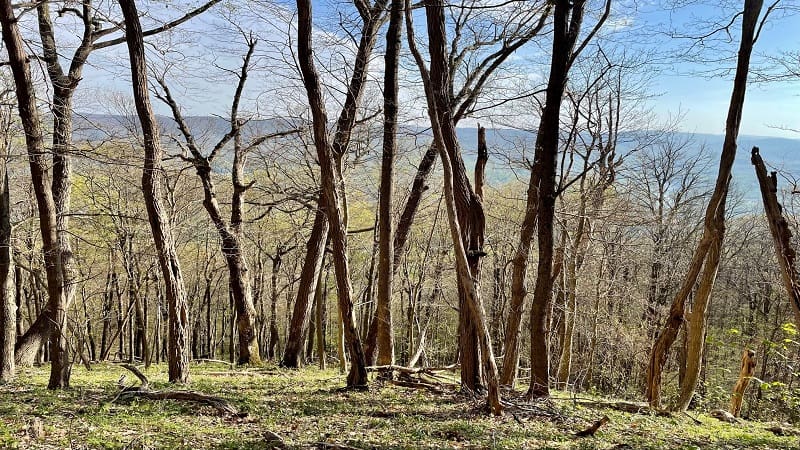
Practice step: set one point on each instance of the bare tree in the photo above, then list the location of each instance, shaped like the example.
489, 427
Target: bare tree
385, 243
64, 84
41, 177
229, 230
152, 186
8, 304
540, 204
372, 17
707, 254
779, 228
461, 202
331, 177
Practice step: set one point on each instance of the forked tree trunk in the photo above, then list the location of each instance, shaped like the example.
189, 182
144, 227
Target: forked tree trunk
48, 223
152, 174
345, 123
438, 111
63, 92
239, 279
357, 375
707, 254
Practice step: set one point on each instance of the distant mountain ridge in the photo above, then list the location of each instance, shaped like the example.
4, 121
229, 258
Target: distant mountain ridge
505, 145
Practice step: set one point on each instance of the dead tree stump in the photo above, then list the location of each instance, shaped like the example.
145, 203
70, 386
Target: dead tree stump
745, 374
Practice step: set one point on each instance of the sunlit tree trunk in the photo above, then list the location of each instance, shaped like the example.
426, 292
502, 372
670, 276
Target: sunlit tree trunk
567, 20
8, 305
177, 354
48, 222
335, 211
707, 254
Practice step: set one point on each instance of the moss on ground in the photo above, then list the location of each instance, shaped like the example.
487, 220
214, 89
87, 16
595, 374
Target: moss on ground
305, 408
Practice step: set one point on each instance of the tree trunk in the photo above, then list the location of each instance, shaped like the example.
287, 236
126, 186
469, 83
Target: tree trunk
8, 305
468, 203
745, 375
709, 247
357, 375
177, 354
383, 311
338, 147
321, 301
781, 235
567, 19
273, 309
540, 205
309, 277
436, 95
48, 222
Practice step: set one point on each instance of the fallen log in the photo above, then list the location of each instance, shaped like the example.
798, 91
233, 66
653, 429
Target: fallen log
418, 385
143, 391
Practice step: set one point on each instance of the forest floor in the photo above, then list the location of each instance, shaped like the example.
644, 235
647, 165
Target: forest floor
307, 409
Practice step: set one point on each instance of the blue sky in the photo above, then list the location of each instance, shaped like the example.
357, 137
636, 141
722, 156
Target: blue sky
702, 100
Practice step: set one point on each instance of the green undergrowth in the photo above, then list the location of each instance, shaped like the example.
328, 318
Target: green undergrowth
306, 408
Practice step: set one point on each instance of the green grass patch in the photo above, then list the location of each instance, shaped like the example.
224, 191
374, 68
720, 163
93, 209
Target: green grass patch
305, 407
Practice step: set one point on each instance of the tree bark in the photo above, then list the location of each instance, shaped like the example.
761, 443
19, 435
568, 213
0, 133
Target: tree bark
372, 17
781, 235
567, 19
309, 277
8, 304
229, 231
707, 253
48, 222
177, 354
273, 309
357, 376
745, 375
444, 132
383, 311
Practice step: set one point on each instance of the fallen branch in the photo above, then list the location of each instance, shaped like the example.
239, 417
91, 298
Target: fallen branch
622, 406
593, 429
694, 419
216, 361
418, 385
332, 446
145, 384
143, 391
